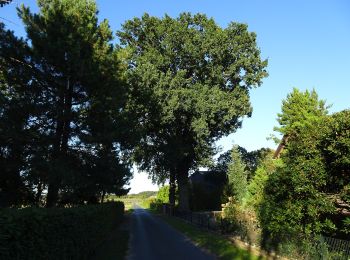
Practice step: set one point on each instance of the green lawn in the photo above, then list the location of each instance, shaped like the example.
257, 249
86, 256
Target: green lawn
214, 243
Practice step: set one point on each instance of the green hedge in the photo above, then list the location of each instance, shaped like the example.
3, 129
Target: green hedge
56, 233
156, 205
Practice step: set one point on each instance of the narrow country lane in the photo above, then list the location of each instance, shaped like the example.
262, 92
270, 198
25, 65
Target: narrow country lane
153, 239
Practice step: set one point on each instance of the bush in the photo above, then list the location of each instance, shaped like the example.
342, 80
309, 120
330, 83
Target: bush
345, 193
56, 233
156, 205
240, 222
163, 194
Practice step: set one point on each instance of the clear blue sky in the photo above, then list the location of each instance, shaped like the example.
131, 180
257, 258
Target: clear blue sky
307, 44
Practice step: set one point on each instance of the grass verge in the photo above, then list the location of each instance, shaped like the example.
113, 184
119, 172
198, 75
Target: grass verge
214, 243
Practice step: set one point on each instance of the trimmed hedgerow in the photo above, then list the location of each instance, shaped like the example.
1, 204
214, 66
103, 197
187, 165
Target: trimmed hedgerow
56, 233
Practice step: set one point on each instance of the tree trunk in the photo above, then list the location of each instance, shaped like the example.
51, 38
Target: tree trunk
52, 194
182, 181
61, 142
103, 196
172, 189
39, 193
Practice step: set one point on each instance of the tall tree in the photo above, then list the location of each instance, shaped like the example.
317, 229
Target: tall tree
294, 200
298, 110
237, 176
76, 66
190, 83
15, 108
303, 195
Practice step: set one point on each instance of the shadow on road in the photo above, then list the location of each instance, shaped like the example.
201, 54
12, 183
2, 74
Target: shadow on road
152, 239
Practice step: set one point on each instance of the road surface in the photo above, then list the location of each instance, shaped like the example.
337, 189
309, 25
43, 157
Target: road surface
153, 239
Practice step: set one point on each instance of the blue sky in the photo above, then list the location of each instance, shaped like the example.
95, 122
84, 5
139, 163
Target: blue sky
307, 44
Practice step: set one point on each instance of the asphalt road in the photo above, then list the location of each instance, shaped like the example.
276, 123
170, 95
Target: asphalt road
153, 239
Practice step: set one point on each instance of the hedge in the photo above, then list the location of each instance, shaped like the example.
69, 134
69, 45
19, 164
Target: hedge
56, 233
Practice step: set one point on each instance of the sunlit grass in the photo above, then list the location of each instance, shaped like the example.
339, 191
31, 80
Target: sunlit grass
214, 243
130, 200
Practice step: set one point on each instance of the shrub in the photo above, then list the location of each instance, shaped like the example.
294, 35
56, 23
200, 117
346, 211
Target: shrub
156, 205
56, 233
240, 222
345, 193
346, 225
163, 194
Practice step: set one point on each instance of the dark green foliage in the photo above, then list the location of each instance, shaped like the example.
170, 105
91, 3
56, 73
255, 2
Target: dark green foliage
16, 106
297, 199
190, 83
335, 146
294, 201
5, 2
251, 160
300, 109
293, 205
345, 193
57, 233
255, 189
61, 103
114, 247
237, 177
346, 226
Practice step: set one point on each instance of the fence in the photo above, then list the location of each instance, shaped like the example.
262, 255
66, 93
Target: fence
212, 220
339, 247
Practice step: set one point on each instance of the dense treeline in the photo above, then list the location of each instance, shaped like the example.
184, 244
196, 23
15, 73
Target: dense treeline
301, 191
61, 108
75, 108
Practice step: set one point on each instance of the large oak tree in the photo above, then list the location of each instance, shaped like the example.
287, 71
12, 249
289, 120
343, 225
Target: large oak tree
190, 81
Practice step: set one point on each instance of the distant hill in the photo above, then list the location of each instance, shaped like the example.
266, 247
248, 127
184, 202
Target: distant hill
143, 194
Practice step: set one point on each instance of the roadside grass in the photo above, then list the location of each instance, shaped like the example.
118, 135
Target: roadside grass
214, 243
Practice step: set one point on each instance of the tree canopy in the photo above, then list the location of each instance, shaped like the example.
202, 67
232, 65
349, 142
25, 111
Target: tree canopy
62, 98
301, 196
190, 82
298, 109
